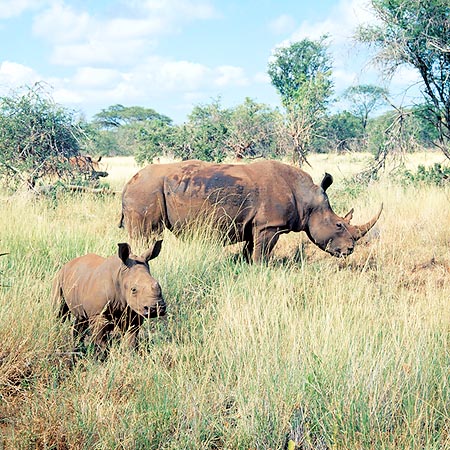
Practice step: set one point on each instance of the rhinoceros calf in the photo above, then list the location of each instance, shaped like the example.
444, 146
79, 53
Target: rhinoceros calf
254, 203
102, 293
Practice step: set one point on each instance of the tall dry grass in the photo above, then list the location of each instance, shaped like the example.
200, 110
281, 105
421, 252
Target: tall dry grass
325, 353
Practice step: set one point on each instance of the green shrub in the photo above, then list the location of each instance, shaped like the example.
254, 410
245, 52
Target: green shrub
434, 175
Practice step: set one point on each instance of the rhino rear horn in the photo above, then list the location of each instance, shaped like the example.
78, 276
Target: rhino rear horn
361, 230
349, 216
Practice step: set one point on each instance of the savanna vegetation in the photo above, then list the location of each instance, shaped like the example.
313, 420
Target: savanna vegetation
306, 351
303, 352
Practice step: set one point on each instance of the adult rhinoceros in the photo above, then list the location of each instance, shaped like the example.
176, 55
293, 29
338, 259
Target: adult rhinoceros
254, 203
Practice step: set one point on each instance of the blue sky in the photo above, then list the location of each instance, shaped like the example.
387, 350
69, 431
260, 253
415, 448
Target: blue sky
171, 55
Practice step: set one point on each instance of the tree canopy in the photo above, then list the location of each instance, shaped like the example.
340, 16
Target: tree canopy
36, 135
117, 115
365, 98
416, 33
301, 73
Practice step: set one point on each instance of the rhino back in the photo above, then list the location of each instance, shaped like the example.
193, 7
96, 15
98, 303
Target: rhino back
88, 283
203, 190
261, 192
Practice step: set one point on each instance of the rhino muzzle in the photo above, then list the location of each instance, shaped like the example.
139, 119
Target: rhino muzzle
155, 311
340, 252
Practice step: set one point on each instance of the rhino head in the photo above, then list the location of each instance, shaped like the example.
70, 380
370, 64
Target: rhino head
140, 290
330, 232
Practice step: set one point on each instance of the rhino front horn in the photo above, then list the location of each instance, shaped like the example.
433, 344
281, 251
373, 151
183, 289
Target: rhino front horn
361, 230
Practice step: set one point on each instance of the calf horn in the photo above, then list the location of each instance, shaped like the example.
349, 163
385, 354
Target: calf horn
361, 230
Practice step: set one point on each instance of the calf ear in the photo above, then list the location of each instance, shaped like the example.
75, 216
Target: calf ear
153, 251
124, 252
327, 181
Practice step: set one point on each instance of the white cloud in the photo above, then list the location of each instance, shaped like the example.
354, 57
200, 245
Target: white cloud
178, 9
81, 39
91, 77
262, 77
61, 23
340, 23
406, 75
14, 75
343, 79
282, 24
230, 76
98, 52
13, 8
350, 65
67, 96
152, 82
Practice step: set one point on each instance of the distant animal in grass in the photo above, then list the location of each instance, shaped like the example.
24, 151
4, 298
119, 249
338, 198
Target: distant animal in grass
104, 293
88, 166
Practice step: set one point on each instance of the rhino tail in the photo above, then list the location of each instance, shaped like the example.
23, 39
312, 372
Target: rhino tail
64, 310
58, 300
121, 221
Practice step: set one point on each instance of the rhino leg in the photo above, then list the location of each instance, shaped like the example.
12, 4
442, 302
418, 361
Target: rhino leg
80, 327
264, 241
101, 327
143, 227
129, 325
248, 250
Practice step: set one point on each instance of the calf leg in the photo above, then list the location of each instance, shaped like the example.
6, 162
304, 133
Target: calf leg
130, 323
101, 327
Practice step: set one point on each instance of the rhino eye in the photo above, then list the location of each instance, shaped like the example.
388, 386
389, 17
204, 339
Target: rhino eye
133, 290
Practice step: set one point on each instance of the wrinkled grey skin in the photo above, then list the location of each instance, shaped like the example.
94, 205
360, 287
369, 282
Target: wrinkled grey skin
102, 293
252, 203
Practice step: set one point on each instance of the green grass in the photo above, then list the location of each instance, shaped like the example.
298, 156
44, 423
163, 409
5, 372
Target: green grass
350, 354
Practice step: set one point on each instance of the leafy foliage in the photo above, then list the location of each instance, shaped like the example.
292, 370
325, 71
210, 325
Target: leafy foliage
416, 33
301, 73
211, 133
116, 115
154, 139
365, 99
339, 132
436, 175
36, 136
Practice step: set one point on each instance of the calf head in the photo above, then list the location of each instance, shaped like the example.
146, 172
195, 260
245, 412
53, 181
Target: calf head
140, 290
330, 232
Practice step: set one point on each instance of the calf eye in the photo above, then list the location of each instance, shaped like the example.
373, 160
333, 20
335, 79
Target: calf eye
133, 290
339, 225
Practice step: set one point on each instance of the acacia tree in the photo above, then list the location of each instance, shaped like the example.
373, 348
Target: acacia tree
365, 99
416, 33
36, 136
212, 133
117, 115
301, 73
251, 129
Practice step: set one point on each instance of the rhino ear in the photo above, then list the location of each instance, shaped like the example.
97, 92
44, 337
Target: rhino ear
327, 181
124, 252
153, 251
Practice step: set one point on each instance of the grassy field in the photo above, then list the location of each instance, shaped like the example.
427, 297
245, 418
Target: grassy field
306, 352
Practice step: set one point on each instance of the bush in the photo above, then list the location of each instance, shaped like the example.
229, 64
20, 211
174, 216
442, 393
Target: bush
434, 175
36, 135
